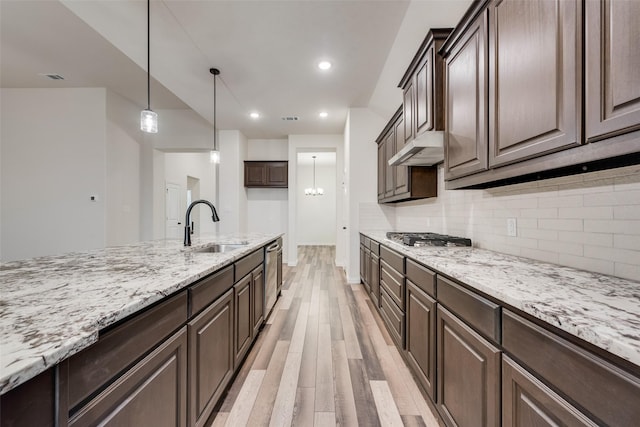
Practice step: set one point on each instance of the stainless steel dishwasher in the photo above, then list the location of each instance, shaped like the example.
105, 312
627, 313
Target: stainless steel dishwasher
272, 276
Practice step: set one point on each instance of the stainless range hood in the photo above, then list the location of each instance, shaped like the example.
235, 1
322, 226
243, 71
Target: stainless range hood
425, 150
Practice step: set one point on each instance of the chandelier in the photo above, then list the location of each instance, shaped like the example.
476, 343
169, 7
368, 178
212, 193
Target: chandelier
314, 191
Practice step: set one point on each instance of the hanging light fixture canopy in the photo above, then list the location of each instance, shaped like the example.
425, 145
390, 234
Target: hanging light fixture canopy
214, 155
148, 118
314, 191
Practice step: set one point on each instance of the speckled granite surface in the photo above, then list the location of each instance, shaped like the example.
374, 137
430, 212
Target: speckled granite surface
53, 307
602, 310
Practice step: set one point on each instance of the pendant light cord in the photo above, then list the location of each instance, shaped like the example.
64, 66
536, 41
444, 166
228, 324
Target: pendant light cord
148, 56
215, 128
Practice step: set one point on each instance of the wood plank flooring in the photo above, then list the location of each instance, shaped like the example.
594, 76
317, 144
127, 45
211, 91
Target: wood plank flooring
323, 358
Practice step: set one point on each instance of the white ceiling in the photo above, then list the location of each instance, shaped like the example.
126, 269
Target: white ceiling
267, 52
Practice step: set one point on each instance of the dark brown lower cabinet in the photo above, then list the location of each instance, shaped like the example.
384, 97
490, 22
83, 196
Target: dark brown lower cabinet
468, 374
210, 357
374, 279
243, 323
421, 336
527, 402
153, 392
257, 285
32, 403
393, 317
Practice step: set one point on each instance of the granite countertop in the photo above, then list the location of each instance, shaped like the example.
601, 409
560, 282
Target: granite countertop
602, 310
53, 307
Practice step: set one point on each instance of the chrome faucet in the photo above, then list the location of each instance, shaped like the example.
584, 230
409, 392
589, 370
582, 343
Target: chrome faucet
187, 227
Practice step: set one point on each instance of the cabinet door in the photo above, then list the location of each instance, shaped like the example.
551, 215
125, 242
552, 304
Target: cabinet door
424, 93
152, 393
374, 280
277, 174
468, 369
382, 169
402, 172
612, 75
408, 113
526, 402
535, 74
466, 103
390, 176
279, 271
255, 174
243, 324
421, 336
363, 264
258, 284
210, 357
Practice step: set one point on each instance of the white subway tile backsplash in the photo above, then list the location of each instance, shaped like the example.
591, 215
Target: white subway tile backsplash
624, 241
584, 238
561, 201
626, 212
590, 264
589, 221
612, 226
598, 212
560, 224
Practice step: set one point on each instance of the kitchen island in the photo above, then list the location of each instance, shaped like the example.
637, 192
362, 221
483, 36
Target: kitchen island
492, 336
53, 308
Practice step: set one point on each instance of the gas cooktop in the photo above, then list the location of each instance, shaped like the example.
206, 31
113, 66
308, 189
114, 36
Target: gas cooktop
427, 239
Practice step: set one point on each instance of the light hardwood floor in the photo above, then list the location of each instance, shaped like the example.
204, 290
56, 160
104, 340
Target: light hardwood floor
323, 359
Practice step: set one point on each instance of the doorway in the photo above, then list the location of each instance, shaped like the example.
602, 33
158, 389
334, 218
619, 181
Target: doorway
193, 194
173, 226
316, 213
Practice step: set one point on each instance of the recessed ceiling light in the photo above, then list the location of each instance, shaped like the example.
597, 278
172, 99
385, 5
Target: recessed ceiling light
254, 115
324, 65
323, 114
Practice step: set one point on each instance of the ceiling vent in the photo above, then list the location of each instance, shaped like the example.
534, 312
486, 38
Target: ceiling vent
52, 76
290, 118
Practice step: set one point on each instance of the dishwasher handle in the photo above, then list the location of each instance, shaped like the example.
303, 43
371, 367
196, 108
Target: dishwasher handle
274, 247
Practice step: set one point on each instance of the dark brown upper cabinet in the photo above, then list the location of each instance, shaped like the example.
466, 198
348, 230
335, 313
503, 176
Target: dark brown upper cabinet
266, 174
401, 183
422, 87
514, 85
534, 78
612, 58
466, 86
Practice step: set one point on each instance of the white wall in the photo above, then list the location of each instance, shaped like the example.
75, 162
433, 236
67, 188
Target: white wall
53, 160
232, 195
298, 143
268, 208
589, 221
177, 167
316, 215
363, 126
123, 138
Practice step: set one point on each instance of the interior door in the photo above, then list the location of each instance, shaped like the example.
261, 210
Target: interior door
173, 226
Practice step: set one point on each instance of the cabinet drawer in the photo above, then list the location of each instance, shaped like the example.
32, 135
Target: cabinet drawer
152, 393
422, 277
209, 289
362, 239
392, 258
474, 309
367, 242
393, 283
92, 368
607, 392
248, 263
393, 318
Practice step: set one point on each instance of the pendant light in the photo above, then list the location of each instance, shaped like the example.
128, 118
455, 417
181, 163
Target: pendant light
148, 118
214, 155
314, 191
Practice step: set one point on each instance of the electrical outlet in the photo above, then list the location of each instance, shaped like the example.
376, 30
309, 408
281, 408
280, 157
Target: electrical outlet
512, 227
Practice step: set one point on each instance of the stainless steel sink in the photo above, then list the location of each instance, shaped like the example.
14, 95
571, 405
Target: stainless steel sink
222, 247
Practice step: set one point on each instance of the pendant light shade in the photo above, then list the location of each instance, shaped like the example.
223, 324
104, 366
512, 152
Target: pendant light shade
314, 191
214, 155
148, 118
